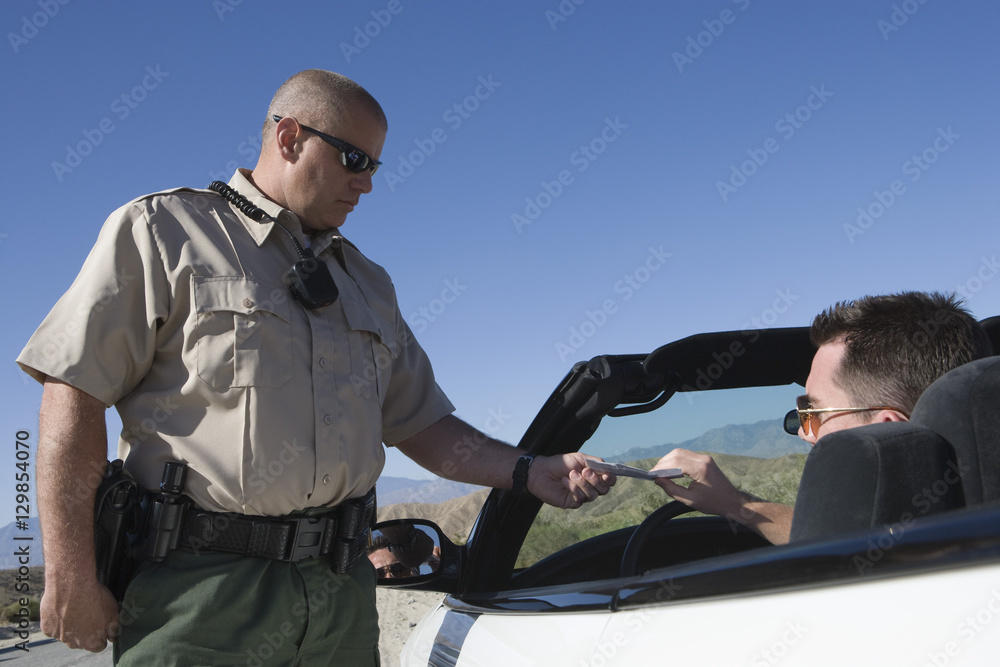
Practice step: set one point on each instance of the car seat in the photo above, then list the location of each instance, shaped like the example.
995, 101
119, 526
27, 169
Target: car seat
963, 406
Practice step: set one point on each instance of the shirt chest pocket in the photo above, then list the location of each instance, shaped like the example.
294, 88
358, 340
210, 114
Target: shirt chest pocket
242, 333
370, 340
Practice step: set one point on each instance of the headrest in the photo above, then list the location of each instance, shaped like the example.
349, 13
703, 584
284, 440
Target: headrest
884, 474
963, 406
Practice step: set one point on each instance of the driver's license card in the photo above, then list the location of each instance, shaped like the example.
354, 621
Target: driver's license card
629, 471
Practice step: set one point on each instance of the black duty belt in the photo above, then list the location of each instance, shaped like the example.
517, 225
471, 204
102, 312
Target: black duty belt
340, 535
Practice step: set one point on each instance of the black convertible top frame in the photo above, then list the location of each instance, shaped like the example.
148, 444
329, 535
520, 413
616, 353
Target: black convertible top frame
618, 385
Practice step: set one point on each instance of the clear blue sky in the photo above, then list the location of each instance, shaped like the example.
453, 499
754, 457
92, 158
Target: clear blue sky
561, 180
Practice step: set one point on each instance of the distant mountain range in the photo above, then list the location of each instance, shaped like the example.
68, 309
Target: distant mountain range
395, 490
764, 440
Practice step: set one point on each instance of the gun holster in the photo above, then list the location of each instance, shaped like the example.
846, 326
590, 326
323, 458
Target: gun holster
132, 525
117, 517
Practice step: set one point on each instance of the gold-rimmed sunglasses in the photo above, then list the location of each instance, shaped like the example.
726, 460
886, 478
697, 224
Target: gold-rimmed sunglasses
804, 416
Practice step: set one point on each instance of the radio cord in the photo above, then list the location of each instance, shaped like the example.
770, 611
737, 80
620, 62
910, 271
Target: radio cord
256, 214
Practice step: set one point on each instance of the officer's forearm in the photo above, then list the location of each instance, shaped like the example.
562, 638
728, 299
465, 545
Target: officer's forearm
72, 450
455, 450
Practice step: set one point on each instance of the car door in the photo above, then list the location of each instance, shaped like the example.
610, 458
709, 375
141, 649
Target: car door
468, 638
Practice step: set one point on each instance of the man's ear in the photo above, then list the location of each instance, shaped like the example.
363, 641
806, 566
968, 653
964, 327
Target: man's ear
286, 133
890, 416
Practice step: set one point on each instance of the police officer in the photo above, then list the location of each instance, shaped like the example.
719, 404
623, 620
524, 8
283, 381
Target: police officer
278, 403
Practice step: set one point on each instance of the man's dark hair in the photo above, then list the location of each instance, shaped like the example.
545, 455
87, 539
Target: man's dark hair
898, 344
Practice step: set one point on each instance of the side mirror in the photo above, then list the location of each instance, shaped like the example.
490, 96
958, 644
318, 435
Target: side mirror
408, 549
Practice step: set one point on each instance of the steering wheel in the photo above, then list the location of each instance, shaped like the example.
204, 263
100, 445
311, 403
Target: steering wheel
630, 558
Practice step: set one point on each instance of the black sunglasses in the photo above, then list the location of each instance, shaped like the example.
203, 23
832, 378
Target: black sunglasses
352, 157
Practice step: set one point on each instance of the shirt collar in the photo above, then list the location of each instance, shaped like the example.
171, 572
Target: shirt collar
259, 230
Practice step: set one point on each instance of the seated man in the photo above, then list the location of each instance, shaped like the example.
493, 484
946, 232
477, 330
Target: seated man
874, 358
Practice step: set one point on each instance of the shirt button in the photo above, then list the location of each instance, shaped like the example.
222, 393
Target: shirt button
326, 479
247, 303
322, 363
328, 419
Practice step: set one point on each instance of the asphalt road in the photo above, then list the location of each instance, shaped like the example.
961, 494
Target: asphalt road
49, 653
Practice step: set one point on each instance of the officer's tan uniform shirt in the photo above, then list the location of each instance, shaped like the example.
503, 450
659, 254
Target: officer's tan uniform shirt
180, 318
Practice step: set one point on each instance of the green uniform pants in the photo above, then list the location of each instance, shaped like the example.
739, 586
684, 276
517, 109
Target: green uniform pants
217, 609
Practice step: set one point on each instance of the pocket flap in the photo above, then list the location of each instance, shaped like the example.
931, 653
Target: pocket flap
361, 318
239, 294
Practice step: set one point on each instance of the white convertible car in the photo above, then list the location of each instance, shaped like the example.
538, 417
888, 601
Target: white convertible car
894, 558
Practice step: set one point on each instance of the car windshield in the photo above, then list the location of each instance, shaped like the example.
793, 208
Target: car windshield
740, 428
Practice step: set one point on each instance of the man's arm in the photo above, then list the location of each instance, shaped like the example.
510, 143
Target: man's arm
455, 450
711, 492
72, 450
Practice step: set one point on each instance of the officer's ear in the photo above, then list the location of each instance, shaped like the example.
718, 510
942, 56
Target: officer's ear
287, 138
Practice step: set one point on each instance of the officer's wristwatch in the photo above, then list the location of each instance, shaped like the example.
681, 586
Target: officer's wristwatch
520, 487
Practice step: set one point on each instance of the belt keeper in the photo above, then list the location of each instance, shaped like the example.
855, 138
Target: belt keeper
329, 536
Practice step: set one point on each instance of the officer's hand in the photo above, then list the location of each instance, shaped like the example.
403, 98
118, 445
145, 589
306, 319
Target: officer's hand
566, 481
81, 614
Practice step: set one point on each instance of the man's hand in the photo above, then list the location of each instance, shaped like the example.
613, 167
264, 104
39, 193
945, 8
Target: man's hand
566, 481
711, 492
84, 616
563, 481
